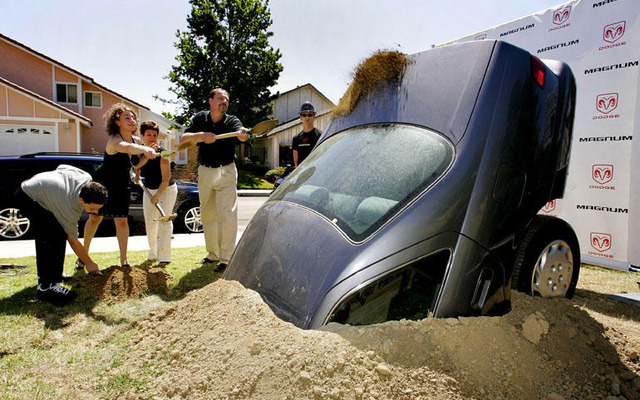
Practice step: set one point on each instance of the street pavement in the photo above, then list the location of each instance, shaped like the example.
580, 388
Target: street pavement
248, 204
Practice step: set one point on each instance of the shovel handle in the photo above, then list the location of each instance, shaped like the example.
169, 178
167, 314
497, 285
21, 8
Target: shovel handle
162, 214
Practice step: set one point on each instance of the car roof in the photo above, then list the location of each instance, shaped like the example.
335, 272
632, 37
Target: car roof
54, 155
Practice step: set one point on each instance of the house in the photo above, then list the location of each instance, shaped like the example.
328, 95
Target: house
274, 148
48, 106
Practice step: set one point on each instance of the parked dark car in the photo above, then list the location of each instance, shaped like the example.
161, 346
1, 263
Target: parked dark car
423, 200
15, 169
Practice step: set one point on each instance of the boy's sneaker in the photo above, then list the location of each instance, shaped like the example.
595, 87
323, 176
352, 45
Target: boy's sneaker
56, 294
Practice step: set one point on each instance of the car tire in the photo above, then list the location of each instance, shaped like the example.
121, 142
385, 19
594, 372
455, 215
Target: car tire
189, 218
547, 261
13, 224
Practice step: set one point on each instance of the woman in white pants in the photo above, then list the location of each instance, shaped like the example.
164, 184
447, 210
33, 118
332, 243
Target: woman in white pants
157, 178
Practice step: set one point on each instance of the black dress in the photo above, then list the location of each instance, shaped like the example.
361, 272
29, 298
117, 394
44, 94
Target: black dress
115, 175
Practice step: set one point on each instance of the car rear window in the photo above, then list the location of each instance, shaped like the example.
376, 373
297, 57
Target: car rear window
361, 177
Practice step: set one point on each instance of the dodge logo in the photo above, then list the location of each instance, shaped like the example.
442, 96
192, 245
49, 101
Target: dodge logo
607, 102
602, 173
600, 241
613, 32
562, 15
550, 206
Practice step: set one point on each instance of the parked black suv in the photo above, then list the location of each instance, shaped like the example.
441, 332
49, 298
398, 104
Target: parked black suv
15, 169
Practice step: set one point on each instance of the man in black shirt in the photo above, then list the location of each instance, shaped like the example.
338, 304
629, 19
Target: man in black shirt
217, 175
304, 141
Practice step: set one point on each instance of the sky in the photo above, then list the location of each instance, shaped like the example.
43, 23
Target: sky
128, 45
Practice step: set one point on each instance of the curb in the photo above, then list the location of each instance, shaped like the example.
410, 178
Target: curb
254, 192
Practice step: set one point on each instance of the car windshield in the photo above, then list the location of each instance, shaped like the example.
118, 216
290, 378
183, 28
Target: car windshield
359, 178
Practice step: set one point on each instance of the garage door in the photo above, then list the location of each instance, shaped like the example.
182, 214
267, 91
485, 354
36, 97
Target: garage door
23, 139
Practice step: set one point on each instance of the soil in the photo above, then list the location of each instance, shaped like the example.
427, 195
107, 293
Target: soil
223, 342
117, 283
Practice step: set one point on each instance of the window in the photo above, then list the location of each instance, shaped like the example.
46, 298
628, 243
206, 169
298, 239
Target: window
93, 99
408, 293
362, 177
66, 93
21, 130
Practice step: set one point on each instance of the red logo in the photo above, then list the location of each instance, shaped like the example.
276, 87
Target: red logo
600, 241
607, 102
613, 32
480, 37
562, 15
549, 207
602, 173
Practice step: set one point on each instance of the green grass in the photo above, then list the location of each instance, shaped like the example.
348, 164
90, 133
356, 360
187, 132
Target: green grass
248, 180
49, 352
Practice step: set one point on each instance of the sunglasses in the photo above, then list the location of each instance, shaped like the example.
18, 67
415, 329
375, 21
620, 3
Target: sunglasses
307, 114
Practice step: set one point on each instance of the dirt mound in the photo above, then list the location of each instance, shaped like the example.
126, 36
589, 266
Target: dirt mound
383, 67
223, 342
117, 283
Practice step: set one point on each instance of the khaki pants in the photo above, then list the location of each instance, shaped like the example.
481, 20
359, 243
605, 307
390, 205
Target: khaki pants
159, 233
219, 210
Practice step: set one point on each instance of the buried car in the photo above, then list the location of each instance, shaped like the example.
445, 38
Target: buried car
421, 197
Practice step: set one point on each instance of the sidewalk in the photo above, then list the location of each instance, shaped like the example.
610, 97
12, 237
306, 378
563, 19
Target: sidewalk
27, 248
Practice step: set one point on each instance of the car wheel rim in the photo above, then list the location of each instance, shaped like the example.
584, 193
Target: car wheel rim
192, 220
12, 224
553, 270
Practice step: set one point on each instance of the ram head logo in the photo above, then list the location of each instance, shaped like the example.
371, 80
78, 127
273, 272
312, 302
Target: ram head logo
613, 32
562, 15
600, 241
549, 207
607, 102
602, 173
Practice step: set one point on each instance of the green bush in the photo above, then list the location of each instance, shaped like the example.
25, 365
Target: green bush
273, 174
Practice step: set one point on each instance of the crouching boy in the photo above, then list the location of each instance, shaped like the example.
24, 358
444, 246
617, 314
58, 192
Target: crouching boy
54, 201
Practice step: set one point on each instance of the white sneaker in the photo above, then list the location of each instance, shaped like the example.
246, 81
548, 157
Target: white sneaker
56, 294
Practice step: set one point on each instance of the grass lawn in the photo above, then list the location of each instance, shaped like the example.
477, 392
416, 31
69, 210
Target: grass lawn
42, 345
248, 180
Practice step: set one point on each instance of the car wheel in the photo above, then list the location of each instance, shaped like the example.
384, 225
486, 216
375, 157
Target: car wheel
189, 218
13, 224
547, 262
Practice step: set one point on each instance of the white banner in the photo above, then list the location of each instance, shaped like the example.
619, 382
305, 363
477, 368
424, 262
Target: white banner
600, 40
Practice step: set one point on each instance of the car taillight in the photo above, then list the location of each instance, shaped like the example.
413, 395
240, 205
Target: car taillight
537, 70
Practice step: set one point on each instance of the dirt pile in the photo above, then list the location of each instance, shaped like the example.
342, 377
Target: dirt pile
383, 67
223, 342
117, 283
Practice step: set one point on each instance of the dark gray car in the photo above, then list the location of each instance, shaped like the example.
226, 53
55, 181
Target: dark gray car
423, 200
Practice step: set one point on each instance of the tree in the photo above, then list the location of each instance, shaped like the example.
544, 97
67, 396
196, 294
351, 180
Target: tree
226, 45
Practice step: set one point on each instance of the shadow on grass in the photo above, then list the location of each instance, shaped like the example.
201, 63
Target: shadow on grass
25, 302
605, 305
194, 279
248, 180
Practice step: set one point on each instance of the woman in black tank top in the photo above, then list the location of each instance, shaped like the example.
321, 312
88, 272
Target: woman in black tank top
115, 174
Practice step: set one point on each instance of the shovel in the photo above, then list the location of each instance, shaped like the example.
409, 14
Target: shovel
259, 129
167, 153
163, 217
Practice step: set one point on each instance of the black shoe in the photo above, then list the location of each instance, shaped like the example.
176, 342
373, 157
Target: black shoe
56, 294
163, 264
220, 267
66, 278
79, 264
206, 261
